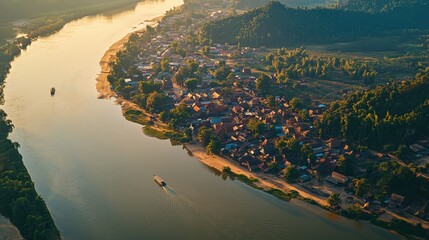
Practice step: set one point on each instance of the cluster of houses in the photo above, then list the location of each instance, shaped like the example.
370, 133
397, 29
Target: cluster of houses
162, 46
229, 112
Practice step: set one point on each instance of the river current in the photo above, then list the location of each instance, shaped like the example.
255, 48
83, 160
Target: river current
94, 169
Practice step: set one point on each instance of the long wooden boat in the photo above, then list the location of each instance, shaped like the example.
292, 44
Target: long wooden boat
159, 180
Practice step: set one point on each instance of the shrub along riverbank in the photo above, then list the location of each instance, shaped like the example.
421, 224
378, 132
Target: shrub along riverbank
19, 200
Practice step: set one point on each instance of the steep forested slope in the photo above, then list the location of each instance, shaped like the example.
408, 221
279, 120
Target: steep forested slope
277, 25
386, 115
248, 4
380, 5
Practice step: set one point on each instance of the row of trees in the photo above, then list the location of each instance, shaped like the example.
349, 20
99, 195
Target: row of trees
298, 63
291, 147
209, 140
19, 200
148, 96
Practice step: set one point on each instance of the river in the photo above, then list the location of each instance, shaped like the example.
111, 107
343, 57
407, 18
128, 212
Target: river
94, 169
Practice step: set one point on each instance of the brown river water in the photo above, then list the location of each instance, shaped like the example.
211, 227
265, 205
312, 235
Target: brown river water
94, 169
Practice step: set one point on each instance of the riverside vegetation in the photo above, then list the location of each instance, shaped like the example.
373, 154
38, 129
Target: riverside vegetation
18, 199
349, 126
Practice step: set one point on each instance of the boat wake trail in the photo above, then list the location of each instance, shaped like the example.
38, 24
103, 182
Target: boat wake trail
170, 190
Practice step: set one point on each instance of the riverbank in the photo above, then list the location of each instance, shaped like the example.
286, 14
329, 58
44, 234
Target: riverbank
269, 183
20, 203
7, 230
103, 86
261, 181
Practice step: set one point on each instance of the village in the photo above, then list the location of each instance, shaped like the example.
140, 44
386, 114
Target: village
224, 93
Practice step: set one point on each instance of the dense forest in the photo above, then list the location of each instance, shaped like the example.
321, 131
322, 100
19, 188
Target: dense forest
249, 4
387, 118
18, 199
380, 5
384, 117
276, 25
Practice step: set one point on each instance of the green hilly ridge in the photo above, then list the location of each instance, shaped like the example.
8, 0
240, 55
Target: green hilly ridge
386, 116
276, 25
380, 5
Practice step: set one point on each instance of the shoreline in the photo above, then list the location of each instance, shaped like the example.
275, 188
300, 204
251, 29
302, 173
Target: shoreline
271, 184
264, 182
103, 86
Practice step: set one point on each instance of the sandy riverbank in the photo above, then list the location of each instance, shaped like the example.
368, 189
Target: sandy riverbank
265, 181
103, 86
8, 230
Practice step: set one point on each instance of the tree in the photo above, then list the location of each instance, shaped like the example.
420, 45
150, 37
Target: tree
334, 200
346, 164
230, 77
227, 91
402, 152
263, 84
307, 153
139, 99
269, 58
288, 146
193, 65
188, 133
256, 126
303, 115
222, 73
191, 84
148, 87
271, 101
361, 186
181, 113
355, 211
205, 135
205, 50
156, 102
180, 75
150, 29
126, 91
214, 145
296, 103
291, 174
164, 116
165, 64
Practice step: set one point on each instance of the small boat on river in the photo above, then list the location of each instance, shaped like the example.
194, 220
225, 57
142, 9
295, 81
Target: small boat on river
159, 181
52, 91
